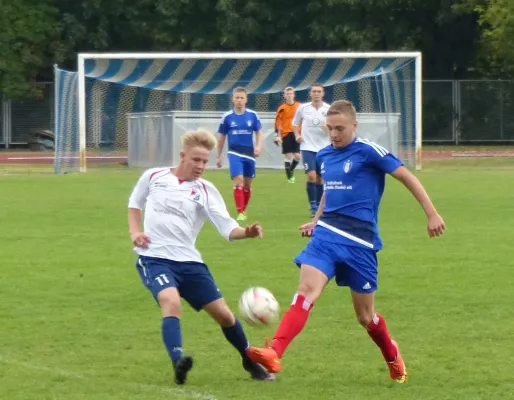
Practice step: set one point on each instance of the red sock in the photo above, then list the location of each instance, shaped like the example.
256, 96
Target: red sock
247, 191
292, 323
239, 198
377, 330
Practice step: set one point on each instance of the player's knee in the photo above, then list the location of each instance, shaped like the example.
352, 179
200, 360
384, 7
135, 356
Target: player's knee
238, 181
365, 317
226, 320
311, 176
224, 317
297, 156
309, 291
170, 306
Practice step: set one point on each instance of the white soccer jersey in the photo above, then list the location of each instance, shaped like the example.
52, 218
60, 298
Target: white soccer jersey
312, 119
175, 211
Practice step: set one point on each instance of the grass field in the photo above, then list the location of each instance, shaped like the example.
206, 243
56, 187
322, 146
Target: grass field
78, 324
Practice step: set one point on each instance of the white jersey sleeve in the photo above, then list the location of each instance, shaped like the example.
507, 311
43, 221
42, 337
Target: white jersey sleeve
217, 211
298, 116
141, 190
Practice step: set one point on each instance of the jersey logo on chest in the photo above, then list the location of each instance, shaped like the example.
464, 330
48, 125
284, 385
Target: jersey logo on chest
194, 195
347, 166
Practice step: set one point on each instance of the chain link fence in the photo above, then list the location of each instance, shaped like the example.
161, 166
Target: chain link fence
2, 123
454, 112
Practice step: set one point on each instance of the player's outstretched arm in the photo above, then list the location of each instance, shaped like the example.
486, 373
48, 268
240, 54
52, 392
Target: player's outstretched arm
251, 231
308, 228
226, 225
436, 225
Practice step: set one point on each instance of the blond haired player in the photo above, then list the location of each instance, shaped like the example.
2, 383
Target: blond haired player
176, 203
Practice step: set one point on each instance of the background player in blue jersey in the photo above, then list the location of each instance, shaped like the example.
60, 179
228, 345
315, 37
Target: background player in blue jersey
345, 238
239, 125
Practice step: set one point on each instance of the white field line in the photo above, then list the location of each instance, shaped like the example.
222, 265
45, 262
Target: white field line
187, 393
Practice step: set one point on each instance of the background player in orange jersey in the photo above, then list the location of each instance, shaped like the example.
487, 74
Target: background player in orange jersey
284, 133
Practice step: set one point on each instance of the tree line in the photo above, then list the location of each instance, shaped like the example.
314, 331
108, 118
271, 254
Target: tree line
460, 39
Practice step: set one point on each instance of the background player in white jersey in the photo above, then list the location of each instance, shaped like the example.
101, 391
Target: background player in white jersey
239, 125
177, 203
312, 138
345, 238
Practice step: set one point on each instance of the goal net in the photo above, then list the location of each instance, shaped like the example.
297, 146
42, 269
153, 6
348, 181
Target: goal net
132, 109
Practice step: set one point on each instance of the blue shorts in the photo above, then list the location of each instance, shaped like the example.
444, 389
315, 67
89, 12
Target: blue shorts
193, 280
309, 162
240, 165
355, 267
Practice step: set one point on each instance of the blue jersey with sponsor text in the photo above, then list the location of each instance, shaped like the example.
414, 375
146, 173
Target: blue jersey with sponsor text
239, 129
354, 181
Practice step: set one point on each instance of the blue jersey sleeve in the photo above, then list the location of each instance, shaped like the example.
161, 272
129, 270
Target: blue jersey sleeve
257, 125
382, 159
223, 128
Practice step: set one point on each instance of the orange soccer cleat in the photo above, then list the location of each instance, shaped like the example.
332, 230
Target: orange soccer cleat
397, 368
266, 356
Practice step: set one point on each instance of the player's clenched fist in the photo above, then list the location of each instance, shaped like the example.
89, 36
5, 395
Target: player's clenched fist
140, 239
436, 225
253, 231
307, 229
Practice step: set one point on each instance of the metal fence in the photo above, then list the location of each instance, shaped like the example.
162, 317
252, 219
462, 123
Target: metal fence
454, 112
22, 118
466, 111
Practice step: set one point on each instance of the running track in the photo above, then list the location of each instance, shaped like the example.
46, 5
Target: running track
117, 158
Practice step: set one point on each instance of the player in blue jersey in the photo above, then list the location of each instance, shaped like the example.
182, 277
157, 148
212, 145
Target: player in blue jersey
345, 238
239, 126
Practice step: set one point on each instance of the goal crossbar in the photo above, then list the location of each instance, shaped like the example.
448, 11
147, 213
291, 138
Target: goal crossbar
83, 57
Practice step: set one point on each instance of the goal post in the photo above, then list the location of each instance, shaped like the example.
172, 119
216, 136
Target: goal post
112, 86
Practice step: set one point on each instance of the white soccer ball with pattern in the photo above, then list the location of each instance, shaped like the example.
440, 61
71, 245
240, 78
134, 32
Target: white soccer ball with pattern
258, 306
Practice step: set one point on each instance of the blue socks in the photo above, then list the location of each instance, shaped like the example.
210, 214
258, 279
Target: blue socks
236, 337
312, 195
319, 193
172, 338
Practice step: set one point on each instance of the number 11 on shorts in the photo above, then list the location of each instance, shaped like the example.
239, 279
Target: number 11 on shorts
162, 279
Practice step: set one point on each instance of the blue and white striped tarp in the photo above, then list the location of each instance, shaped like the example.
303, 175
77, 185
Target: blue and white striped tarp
220, 76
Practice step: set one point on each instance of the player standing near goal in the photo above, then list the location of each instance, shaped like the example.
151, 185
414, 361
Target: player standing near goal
345, 238
284, 133
239, 125
177, 202
312, 138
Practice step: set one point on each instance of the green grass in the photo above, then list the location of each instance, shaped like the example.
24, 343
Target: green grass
78, 324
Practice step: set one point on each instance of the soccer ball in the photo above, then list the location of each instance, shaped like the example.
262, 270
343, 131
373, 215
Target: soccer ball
258, 306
